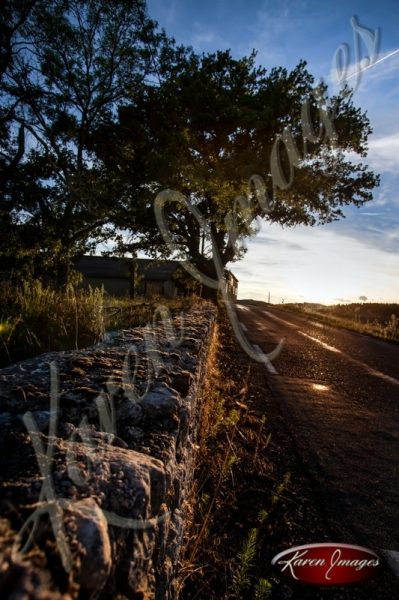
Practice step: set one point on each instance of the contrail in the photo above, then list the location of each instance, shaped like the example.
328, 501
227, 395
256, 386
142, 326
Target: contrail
374, 63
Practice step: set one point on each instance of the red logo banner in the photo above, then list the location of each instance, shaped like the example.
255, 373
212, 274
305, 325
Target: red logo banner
328, 564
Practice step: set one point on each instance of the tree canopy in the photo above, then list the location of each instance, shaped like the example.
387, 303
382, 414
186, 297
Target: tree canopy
101, 112
240, 142
74, 62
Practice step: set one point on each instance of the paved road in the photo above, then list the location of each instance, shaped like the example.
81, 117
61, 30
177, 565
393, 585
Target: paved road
339, 394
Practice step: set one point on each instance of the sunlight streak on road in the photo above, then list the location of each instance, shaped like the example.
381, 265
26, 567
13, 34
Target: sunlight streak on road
370, 370
359, 363
281, 320
326, 346
320, 387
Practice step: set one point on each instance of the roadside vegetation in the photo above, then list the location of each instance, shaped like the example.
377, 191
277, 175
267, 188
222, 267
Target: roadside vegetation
224, 546
36, 319
378, 319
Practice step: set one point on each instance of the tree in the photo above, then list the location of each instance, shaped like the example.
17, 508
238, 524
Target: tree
78, 60
13, 16
240, 143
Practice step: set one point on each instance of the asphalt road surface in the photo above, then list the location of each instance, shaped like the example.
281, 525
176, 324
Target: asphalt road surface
339, 394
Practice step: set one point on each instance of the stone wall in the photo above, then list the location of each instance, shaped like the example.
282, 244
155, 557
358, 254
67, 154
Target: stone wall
97, 449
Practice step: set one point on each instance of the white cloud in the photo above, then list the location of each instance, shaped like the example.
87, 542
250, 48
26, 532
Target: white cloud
383, 153
329, 266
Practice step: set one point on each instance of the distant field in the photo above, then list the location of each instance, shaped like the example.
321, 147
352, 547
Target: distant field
378, 319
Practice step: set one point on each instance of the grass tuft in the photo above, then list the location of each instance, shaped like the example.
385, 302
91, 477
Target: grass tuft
36, 319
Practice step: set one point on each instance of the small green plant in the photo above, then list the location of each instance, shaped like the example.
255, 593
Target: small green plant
218, 412
232, 460
263, 589
242, 578
263, 516
232, 418
280, 489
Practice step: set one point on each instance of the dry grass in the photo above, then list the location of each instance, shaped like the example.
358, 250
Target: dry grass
124, 313
35, 319
224, 454
214, 465
377, 319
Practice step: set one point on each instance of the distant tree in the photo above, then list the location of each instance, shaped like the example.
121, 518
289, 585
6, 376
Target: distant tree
77, 61
363, 298
214, 121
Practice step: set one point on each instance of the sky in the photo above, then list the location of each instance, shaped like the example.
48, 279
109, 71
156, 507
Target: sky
356, 256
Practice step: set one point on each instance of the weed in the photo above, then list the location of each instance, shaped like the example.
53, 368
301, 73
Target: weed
392, 328
232, 418
263, 589
263, 516
232, 460
36, 319
215, 398
242, 579
280, 489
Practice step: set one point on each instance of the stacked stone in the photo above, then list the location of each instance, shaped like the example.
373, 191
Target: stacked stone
97, 457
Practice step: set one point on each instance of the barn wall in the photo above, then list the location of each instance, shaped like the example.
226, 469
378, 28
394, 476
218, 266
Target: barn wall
114, 286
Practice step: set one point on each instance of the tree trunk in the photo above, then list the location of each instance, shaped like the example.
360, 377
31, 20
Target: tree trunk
207, 267
62, 273
133, 273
